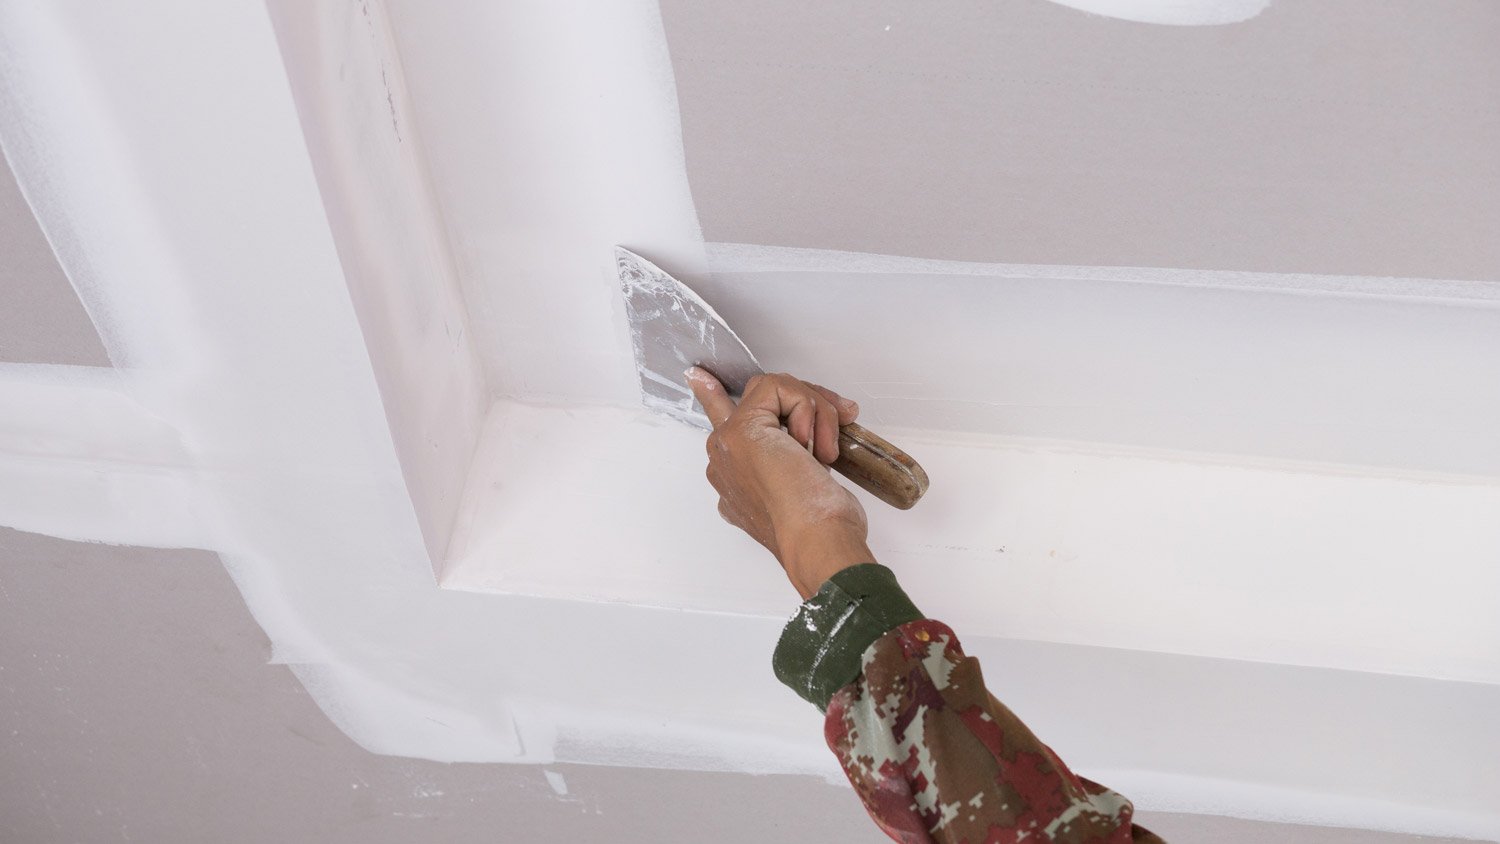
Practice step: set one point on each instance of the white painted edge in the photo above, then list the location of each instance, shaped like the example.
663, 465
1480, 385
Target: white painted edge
1163, 792
749, 258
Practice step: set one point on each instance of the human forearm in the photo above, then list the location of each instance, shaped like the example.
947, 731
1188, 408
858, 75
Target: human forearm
933, 756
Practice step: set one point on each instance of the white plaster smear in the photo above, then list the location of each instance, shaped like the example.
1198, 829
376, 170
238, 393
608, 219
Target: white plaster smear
552, 135
162, 151
1173, 12
198, 241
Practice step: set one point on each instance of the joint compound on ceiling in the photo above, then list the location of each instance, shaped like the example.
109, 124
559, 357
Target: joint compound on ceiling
1173, 12
393, 248
246, 417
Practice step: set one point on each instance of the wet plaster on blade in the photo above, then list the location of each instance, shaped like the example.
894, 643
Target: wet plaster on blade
673, 329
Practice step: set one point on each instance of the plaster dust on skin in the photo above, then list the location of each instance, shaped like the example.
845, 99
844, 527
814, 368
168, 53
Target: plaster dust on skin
294, 475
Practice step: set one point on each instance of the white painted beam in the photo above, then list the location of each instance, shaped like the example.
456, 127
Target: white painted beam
81, 458
552, 135
1398, 375
1295, 564
351, 96
162, 150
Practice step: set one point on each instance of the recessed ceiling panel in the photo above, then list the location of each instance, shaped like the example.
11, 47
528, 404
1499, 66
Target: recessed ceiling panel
41, 319
1334, 137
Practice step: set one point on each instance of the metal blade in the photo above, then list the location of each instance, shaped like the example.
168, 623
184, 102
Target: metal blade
672, 329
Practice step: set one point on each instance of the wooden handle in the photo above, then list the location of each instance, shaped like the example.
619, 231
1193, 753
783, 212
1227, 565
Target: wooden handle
886, 472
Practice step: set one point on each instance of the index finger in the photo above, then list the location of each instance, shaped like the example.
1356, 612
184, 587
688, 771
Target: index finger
848, 408
717, 404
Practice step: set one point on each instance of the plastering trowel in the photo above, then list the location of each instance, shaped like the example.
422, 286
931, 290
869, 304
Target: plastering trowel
673, 329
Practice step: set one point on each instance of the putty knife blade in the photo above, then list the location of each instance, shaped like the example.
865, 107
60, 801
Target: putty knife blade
672, 328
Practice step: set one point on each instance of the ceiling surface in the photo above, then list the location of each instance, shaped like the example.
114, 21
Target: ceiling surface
1338, 137
41, 319
137, 704
249, 641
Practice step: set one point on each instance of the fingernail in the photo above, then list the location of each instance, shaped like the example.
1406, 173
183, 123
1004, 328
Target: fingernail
849, 404
692, 373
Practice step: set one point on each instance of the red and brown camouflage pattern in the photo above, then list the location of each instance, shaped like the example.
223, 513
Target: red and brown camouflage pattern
937, 759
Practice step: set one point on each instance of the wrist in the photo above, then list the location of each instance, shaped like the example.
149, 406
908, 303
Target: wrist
815, 556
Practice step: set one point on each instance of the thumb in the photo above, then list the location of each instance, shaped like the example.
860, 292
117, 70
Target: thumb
711, 394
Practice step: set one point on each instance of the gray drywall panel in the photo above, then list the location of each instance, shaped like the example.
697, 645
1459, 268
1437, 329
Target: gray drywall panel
1338, 137
41, 319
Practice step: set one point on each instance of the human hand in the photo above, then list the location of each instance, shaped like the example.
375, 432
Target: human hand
774, 484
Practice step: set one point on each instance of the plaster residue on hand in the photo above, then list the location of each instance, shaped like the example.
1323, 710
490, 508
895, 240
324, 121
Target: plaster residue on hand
671, 328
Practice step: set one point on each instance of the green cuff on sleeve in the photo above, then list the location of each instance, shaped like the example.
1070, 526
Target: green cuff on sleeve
821, 647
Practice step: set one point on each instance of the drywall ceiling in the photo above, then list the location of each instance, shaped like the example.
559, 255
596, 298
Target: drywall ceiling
271, 406
137, 705
1353, 367
41, 319
1334, 137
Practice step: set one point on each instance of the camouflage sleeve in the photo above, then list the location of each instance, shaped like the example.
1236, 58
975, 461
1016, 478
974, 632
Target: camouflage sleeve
932, 754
